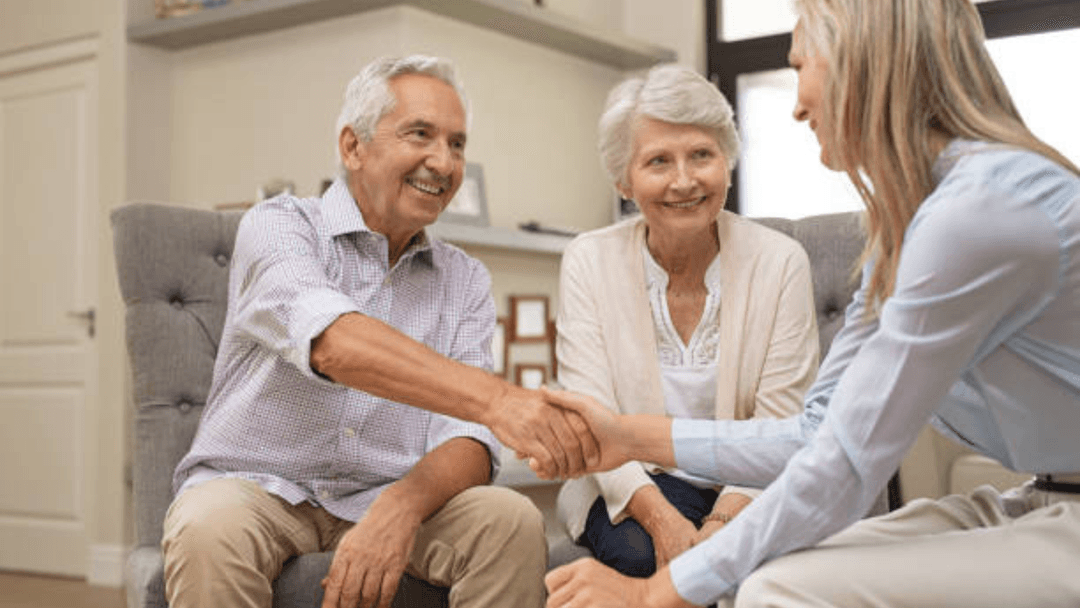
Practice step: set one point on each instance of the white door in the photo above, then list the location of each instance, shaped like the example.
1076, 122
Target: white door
48, 215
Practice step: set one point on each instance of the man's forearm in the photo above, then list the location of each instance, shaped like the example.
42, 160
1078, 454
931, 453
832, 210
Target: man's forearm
441, 474
369, 355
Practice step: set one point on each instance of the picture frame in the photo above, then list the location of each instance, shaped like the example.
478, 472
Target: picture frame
469, 205
530, 375
529, 318
552, 336
500, 347
623, 208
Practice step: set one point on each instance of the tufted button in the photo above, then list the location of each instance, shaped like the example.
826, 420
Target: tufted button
177, 303
221, 259
184, 407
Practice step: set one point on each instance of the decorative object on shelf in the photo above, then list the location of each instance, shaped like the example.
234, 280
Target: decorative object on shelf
178, 8
500, 347
529, 318
624, 208
275, 187
537, 227
469, 205
529, 375
552, 334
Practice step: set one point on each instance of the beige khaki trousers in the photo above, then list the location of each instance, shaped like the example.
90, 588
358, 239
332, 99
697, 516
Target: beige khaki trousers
1019, 549
226, 539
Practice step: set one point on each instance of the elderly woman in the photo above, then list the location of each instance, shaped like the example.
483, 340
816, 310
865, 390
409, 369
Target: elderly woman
966, 318
686, 310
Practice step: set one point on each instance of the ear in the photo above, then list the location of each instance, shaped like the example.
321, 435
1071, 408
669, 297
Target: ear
624, 190
351, 149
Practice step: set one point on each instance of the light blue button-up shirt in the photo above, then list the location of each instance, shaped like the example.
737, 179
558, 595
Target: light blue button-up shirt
981, 337
298, 265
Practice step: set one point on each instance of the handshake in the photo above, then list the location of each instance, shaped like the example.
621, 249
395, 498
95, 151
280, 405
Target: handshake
565, 435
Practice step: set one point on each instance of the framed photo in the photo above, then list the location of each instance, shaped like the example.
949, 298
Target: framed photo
552, 335
530, 375
529, 318
623, 208
469, 205
500, 347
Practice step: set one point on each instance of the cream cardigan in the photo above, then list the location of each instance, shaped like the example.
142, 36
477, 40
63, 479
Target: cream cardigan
606, 345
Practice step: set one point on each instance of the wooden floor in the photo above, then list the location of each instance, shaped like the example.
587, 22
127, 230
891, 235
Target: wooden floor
36, 591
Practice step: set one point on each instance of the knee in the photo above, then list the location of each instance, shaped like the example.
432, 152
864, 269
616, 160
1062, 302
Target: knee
628, 548
764, 588
511, 517
205, 530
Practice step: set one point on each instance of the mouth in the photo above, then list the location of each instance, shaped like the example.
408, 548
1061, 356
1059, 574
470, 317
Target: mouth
685, 204
426, 187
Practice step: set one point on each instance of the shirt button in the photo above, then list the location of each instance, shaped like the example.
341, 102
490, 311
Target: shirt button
349, 432
324, 494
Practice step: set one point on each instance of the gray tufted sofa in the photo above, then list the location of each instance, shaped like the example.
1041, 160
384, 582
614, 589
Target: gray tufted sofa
172, 264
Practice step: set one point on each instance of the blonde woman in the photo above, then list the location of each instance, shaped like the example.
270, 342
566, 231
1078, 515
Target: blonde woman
966, 318
686, 310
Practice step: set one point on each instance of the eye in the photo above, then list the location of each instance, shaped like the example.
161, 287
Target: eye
702, 153
656, 161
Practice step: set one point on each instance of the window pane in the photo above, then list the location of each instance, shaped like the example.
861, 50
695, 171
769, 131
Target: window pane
780, 174
1040, 71
740, 19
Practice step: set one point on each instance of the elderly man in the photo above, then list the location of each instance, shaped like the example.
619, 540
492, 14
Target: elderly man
349, 364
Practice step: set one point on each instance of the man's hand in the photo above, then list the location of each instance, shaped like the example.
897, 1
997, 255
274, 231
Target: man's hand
603, 424
587, 582
371, 557
557, 441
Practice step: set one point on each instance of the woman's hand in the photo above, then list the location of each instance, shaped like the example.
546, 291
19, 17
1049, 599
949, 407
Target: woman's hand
586, 583
605, 425
671, 533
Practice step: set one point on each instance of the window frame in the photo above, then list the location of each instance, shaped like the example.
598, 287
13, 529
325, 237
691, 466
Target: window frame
725, 61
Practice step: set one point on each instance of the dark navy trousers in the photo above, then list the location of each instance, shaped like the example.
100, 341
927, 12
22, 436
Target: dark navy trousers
627, 547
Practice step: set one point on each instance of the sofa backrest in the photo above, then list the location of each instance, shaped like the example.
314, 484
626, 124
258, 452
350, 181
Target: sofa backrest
173, 265
833, 242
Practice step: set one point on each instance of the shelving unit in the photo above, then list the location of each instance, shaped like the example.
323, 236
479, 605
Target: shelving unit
519, 20
499, 238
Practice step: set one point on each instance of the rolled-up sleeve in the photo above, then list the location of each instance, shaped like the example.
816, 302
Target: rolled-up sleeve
281, 292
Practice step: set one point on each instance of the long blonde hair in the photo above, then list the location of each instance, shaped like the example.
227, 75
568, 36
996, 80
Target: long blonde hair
900, 71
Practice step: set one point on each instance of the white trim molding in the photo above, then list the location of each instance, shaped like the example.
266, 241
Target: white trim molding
53, 54
105, 567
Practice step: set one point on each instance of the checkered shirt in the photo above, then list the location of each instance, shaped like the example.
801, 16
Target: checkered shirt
298, 265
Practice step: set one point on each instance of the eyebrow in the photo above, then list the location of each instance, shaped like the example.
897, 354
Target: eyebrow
426, 124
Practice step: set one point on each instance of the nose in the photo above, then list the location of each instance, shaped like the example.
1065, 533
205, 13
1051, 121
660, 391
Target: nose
441, 159
800, 113
684, 179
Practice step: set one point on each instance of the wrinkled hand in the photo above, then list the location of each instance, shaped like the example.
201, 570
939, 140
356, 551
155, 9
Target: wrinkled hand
707, 530
371, 557
603, 423
672, 538
587, 582
557, 441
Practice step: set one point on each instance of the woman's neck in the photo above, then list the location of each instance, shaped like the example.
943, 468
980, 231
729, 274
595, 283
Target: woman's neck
684, 257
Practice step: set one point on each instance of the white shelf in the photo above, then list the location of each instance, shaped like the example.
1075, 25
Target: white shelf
499, 238
517, 19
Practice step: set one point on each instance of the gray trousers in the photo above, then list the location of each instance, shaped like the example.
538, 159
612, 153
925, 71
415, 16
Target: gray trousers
1018, 549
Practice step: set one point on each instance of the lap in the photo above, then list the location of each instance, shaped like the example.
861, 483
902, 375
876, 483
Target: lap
955, 552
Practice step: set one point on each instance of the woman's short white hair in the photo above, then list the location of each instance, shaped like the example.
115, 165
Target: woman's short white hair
368, 97
669, 93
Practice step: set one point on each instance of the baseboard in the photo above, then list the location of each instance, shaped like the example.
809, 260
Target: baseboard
106, 565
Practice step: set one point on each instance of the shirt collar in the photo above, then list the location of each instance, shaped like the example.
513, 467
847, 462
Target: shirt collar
343, 216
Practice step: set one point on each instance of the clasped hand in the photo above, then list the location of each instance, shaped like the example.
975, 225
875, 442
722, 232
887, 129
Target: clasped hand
562, 434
